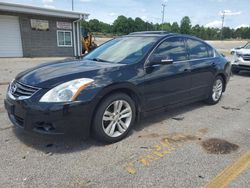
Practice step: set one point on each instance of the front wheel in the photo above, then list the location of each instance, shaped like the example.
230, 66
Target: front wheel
216, 91
114, 118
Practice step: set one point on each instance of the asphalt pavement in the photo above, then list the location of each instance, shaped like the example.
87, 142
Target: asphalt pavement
170, 149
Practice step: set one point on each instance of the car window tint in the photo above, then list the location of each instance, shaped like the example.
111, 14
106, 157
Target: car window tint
125, 50
197, 49
173, 48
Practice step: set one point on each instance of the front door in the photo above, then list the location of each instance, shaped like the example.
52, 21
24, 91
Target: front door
167, 83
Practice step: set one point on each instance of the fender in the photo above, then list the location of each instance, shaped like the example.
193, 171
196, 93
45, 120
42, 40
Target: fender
123, 87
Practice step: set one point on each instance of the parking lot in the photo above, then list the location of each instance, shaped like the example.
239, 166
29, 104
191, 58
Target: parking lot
187, 146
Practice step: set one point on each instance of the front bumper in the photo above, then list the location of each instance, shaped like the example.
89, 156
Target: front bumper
240, 67
50, 118
240, 64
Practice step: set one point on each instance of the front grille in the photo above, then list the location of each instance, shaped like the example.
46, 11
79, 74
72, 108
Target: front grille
246, 57
18, 90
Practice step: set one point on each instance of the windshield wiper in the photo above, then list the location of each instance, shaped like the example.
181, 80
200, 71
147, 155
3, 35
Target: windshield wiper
100, 60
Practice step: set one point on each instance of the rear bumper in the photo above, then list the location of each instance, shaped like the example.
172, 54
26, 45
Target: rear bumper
50, 119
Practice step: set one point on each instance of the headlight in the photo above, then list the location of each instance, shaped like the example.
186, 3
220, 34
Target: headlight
67, 91
239, 54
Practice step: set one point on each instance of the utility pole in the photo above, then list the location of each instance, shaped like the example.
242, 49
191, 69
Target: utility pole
72, 5
163, 13
223, 13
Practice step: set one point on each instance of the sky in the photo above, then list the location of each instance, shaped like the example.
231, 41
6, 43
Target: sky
202, 12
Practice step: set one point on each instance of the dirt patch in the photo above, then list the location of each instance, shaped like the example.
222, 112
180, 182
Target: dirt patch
203, 131
152, 135
80, 183
230, 108
218, 146
177, 137
180, 137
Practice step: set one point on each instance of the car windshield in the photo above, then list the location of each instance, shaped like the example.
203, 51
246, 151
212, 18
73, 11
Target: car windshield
125, 50
247, 46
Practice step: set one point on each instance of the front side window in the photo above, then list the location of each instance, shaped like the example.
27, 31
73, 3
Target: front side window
64, 38
125, 50
173, 48
198, 50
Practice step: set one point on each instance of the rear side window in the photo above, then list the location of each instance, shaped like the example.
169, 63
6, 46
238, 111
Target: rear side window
198, 50
172, 48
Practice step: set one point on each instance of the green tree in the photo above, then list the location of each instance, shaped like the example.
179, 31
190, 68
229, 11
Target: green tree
131, 25
94, 25
105, 28
124, 25
227, 33
120, 25
185, 27
85, 24
245, 32
203, 33
140, 24
196, 30
166, 27
175, 27
150, 26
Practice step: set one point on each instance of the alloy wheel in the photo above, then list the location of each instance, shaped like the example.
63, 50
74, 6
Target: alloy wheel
117, 118
217, 90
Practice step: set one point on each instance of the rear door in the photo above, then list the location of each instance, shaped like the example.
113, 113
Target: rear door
167, 83
202, 65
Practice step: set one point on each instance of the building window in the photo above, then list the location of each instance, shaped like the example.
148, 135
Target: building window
64, 38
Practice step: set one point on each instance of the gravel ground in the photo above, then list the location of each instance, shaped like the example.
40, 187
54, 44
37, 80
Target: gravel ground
164, 150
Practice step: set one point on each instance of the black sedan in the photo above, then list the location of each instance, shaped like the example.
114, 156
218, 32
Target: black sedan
110, 88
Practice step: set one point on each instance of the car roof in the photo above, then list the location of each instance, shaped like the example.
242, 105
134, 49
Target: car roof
159, 34
150, 32
164, 34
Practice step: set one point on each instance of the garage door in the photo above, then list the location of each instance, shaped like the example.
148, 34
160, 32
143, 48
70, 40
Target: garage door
10, 37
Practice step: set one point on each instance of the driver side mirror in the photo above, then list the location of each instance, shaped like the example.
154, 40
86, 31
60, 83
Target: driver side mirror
160, 60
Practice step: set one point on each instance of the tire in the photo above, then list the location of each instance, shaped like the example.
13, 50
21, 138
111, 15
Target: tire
235, 71
108, 124
216, 91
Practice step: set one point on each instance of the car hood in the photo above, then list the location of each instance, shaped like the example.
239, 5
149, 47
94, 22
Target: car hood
51, 74
244, 51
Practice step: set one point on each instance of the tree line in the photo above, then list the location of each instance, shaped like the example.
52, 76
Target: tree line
123, 25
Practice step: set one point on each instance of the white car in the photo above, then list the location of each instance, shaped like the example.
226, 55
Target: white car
241, 59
